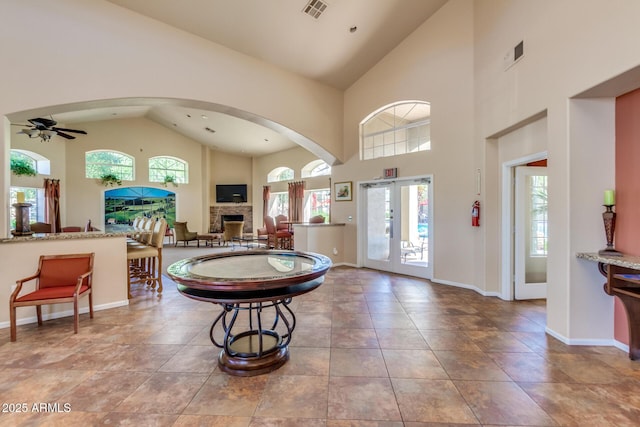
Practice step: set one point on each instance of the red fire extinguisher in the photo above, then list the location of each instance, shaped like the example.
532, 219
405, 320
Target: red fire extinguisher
475, 214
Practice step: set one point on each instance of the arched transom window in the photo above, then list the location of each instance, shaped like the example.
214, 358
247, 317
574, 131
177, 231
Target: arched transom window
102, 162
400, 128
163, 168
280, 174
316, 168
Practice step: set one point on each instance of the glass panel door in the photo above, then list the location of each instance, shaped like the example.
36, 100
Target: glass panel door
531, 233
397, 217
379, 226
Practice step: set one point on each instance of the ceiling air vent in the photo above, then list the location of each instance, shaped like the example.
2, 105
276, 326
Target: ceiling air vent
315, 8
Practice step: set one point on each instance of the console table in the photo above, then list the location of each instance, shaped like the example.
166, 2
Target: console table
623, 281
254, 289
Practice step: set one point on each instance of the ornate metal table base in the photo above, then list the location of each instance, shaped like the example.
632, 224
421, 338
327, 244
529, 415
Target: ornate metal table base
254, 289
254, 351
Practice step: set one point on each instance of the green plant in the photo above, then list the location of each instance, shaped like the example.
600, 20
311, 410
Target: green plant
169, 179
22, 167
110, 179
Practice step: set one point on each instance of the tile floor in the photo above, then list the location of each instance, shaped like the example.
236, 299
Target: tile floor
370, 349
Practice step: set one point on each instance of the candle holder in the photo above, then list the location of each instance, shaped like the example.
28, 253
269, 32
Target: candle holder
609, 219
23, 228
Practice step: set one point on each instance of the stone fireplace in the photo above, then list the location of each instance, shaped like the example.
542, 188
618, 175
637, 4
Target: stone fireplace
216, 212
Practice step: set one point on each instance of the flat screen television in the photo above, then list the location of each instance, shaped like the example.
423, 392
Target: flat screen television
231, 193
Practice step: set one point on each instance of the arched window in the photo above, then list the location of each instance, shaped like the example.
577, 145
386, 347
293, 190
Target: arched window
316, 168
102, 162
280, 174
40, 164
400, 128
164, 168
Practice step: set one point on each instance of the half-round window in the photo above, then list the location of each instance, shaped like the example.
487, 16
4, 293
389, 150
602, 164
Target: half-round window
280, 174
102, 162
399, 128
316, 168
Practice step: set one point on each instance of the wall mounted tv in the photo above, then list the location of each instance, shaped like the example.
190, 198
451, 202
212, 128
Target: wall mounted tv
231, 193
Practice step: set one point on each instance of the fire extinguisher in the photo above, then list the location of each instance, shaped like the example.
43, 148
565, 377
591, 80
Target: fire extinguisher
475, 214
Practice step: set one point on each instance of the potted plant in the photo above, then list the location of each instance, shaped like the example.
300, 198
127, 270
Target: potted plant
110, 179
169, 179
22, 167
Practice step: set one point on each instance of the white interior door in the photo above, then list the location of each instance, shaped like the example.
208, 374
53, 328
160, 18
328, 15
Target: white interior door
397, 216
531, 233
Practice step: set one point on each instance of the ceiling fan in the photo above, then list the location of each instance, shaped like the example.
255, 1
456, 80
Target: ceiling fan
46, 128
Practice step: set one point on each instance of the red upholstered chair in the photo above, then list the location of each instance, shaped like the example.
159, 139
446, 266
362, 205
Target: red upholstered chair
280, 223
278, 239
59, 279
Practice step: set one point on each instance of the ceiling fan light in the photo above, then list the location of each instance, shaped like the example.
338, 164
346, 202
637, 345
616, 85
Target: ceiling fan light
49, 133
32, 133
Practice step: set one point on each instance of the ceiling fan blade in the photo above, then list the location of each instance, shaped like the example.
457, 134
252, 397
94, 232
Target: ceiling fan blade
65, 135
39, 121
69, 130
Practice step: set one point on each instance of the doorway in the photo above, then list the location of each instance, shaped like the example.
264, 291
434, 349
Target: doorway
397, 218
524, 228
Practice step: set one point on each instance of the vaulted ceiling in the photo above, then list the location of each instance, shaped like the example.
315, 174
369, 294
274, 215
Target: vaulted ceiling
334, 42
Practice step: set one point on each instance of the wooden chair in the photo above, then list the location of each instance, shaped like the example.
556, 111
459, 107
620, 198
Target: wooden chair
278, 239
59, 279
183, 234
40, 227
280, 223
145, 261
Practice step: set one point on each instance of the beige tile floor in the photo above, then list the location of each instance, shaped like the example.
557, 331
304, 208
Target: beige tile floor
370, 349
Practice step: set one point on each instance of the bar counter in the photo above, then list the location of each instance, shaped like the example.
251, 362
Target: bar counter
19, 258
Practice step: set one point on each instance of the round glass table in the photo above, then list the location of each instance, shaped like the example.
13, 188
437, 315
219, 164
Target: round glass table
254, 289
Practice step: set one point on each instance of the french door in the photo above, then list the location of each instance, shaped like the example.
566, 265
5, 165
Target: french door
531, 237
396, 219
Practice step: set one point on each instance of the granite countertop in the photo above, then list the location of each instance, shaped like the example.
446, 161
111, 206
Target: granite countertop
40, 237
627, 261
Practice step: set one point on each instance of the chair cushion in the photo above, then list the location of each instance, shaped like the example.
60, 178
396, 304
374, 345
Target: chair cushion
141, 252
51, 292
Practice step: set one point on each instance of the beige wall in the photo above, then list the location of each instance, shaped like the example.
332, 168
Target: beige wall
108, 52
142, 139
441, 56
454, 61
294, 158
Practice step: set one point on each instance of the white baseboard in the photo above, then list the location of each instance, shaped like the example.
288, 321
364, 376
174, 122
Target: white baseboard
466, 286
66, 313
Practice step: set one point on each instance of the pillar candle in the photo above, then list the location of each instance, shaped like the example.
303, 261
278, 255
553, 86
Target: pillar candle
609, 198
20, 196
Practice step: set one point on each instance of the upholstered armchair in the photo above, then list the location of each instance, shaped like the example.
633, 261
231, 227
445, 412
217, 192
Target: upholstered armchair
232, 229
59, 279
183, 234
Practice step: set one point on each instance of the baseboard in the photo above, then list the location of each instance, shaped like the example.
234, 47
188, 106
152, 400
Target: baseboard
466, 286
587, 341
66, 313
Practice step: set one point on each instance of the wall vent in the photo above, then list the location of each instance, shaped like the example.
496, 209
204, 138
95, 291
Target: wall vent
315, 8
513, 55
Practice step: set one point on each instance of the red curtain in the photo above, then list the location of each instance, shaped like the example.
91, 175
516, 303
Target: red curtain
266, 195
296, 201
52, 204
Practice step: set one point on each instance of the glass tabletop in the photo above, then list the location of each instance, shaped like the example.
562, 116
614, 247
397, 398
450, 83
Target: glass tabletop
251, 266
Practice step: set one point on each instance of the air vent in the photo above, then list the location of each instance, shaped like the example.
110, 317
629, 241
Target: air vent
208, 129
315, 8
